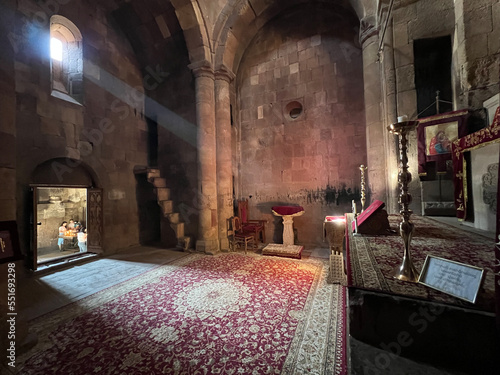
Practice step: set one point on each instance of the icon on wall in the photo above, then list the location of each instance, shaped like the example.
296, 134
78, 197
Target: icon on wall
9, 242
438, 138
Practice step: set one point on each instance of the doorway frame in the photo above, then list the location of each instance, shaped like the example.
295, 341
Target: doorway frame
94, 219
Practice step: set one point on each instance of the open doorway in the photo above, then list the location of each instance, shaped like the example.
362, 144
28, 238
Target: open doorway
62, 189
61, 217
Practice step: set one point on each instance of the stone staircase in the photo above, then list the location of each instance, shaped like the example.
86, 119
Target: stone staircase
171, 220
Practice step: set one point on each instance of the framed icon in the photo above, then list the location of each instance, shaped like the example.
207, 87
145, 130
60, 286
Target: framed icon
9, 242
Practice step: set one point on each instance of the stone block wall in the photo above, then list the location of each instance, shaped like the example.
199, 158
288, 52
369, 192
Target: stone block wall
54, 206
107, 131
477, 51
8, 111
311, 158
175, 113
411, 21
474, 27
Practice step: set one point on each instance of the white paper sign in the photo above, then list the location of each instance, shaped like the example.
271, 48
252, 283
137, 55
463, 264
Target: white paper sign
457, 279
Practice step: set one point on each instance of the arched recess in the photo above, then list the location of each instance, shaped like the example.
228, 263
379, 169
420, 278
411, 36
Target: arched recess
195, 30
64, 172
62, 187
305, 57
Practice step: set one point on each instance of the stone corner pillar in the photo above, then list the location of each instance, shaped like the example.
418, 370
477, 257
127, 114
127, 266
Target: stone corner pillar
375, 132
207, 241
389, 93
223, 79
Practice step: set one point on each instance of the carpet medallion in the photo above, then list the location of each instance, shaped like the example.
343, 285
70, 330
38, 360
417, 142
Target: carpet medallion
224, 314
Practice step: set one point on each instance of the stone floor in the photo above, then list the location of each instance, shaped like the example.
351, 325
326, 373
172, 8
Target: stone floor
55, 255
72, 279
463, 225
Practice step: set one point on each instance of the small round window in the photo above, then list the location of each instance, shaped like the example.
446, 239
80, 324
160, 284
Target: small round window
293, 110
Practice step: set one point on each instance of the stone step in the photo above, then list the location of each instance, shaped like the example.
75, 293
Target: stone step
185, 243
174, 217
153, 173
167, 207
159, 182
163, 194
178, 229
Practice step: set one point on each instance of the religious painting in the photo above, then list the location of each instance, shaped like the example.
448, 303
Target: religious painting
9, 242
438, 138
435, 136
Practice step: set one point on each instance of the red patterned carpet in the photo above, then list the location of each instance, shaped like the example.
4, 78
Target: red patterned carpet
225, 314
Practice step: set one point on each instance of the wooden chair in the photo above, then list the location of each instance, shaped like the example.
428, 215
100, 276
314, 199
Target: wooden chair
257, 227
237, 236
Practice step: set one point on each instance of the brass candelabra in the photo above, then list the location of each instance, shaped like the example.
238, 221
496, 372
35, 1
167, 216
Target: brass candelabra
406, 271
362, 168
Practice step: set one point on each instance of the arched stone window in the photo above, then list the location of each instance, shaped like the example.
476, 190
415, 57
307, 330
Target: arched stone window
66, 56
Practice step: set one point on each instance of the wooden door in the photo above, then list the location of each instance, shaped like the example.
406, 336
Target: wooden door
94, 220
33, 258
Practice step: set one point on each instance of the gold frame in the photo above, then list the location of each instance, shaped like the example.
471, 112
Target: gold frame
423, 276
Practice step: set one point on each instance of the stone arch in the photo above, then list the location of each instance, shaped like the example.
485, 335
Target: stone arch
67, 68
362, 8
239, 22
195, 30
64, 171
71, 32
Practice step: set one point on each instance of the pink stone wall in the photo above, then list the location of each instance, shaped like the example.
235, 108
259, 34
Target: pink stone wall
314, 58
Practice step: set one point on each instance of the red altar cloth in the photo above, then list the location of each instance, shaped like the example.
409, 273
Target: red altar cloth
287, 210
472, 141
365, 215
335, 218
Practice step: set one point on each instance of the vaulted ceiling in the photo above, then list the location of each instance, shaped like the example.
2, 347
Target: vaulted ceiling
214, 31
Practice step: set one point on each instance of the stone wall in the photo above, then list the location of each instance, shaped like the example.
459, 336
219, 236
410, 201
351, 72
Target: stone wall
54, 206
175, 113
476, 51
474, 29
411, 21
308, 58
8, 111
106, 131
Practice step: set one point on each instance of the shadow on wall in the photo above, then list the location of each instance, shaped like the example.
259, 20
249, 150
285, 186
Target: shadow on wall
318, 203
341, 195
149, 211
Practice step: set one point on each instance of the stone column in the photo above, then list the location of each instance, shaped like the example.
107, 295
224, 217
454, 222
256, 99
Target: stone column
223, 77
390, 117
375, 133
288, 238
477, 52
207, 172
